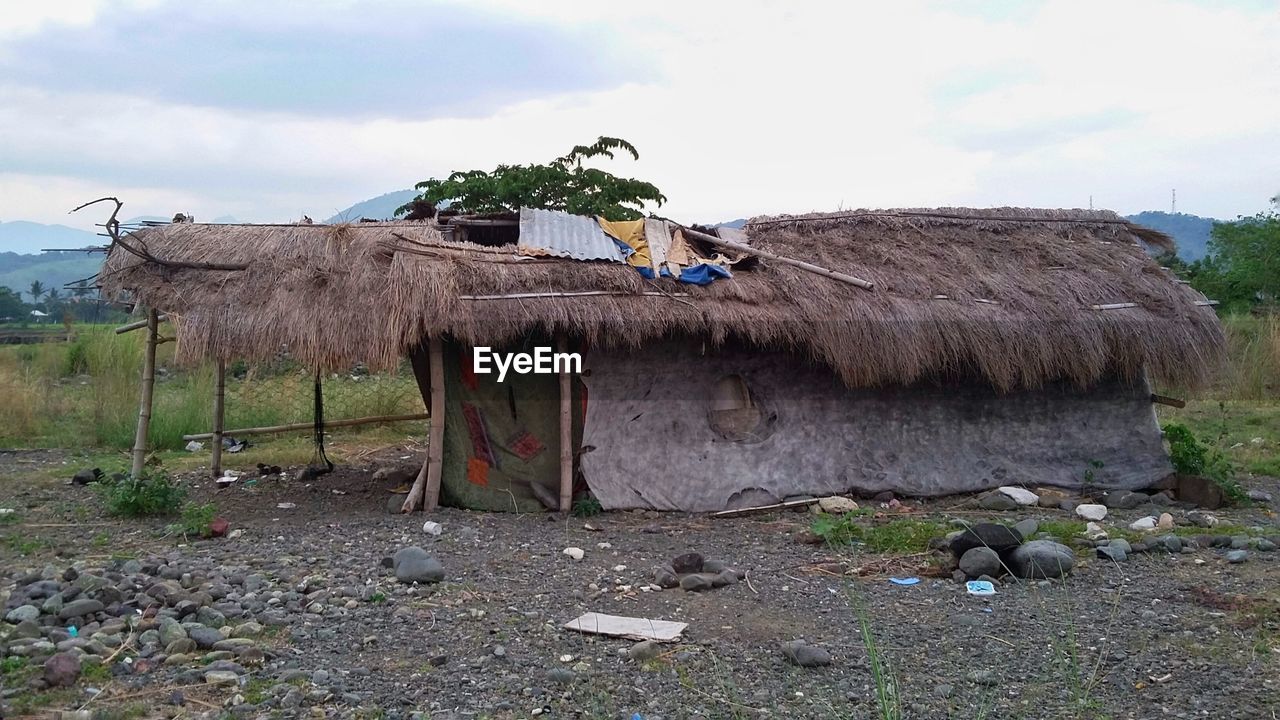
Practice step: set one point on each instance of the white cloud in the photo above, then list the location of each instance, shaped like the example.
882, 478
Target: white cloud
758, 108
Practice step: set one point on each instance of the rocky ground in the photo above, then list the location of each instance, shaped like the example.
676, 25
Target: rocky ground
297, 612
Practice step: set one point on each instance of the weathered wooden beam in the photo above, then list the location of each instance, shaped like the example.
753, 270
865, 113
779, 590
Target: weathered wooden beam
310, 425
809, 267
1166, 400
137, 325
148, 392
566, 430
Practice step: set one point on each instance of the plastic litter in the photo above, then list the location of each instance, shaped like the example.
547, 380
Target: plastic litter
286, 505
980, 587
905, 580
432, 528
195, 446
73, 631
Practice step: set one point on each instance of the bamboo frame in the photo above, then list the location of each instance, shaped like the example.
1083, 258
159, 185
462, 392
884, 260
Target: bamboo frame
585, 293
219, 404
566, 430
1113, 306
147, 394
310, 425
435, 451
138, 325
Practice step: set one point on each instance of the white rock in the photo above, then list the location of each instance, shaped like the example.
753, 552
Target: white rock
1091, 512
1094, 531
837, 505
603, 546
1022, 496
1165, 522
1145, 524
619, 568
576, 553
432, 528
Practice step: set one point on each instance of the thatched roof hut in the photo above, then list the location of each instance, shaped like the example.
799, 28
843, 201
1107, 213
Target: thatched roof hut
1007, 295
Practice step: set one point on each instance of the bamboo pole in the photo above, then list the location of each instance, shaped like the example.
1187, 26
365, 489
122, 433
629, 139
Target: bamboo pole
414, 499
435, 450
310, 425
739, 247
1114, 306
588, 293
137, 325
219, 399
566, 429
148, 390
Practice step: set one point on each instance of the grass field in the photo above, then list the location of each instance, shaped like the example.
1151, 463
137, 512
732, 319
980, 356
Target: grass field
84, 394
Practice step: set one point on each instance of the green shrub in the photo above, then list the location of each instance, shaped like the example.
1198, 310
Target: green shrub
1191, 457
586, 506
149, 494
196, 519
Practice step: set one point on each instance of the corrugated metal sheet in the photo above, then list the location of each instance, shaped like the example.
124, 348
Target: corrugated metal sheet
559, 234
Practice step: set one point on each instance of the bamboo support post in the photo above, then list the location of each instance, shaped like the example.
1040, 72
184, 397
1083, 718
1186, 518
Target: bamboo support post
739, 247
310, 425
1166, 400
566, 429
435, 450
148, 390
1114, 306
219, 399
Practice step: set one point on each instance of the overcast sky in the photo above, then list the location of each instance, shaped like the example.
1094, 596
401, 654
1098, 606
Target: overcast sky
267, 111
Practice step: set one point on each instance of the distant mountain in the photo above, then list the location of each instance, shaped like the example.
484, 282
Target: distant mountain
382, 207
740, 222
1190, 232
20, 236
53, 270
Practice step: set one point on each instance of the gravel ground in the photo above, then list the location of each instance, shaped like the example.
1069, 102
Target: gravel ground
1185, 635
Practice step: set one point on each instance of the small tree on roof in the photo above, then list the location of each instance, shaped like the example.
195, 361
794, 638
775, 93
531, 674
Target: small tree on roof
563, 184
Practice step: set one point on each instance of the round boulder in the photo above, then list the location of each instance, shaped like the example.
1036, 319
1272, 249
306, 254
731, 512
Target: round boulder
1040, 559
997, 537
980, 561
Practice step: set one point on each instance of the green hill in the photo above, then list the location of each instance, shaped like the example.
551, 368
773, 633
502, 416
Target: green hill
53, 270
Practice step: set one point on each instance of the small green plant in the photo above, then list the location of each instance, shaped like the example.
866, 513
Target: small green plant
197, 518
895, 536
888, 702
12, 665
149, 494
377, 598
101, 540
1192, 457
587, 506
10, 518
1091, 474
95, 673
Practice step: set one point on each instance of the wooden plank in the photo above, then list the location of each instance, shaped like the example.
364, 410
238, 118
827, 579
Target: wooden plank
435, 450
739, 512
566, 430
219, 400
310, 425
622, 626
144, 402
1206, 303
1166, 400
810, 267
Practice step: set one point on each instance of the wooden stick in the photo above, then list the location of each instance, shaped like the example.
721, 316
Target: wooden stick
739, 512
1206, 303
219, 399
310, 425
566, 430
1166, 400
148, 390
413, 500
810, 267
588, 293
1114, 306
435, 451
137, 325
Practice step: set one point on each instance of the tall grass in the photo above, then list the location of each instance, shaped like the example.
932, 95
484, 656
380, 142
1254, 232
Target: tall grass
85, 393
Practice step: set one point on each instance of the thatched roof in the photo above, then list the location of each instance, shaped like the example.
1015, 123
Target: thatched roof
1004, 294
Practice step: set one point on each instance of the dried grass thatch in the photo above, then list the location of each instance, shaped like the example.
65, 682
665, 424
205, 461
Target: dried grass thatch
1003, 294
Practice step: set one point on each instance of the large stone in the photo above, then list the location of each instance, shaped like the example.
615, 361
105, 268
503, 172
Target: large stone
80, 608
413, 564
697, 582
210, 617
1143, 524
997, 537
204, 637
1199, 491
837, 505
1027, 528
62, 670
21, 613
805, 655
221, 678
980, 561
997, 501
1090, 511
1124, 499
171, 631
1022, 496
1112, 552
1040, 559
687, 563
